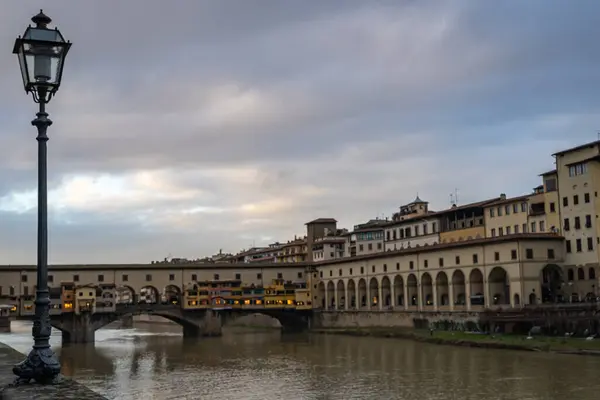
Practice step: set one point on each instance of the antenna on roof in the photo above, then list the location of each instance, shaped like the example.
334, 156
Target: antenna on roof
598, 133
456, 195
451, 199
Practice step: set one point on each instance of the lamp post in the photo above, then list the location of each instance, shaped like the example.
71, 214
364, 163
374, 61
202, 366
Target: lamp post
41, 52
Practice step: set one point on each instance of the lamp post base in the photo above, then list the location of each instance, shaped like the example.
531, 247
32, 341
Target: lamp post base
41, 365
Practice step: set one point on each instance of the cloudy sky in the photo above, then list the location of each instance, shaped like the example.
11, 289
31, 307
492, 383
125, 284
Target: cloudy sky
188, 126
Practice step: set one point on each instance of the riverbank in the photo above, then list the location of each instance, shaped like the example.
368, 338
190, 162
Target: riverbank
67, 389
508, 342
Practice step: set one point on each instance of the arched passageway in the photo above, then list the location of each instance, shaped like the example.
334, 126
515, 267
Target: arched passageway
386, 292
330, 295
340, 295
149, 295
125, 295
552, 284
477, 297
351, 294
399, 290
413, 290
459, 288
442, 289
499, 285
171, 295
362, 294
374, 293
321, 295
427, 289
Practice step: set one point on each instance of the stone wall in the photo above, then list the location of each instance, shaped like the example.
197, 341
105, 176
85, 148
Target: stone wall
66, 390
387, 319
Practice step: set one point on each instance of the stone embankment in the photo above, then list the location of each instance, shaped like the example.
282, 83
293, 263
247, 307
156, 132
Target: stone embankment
67, 390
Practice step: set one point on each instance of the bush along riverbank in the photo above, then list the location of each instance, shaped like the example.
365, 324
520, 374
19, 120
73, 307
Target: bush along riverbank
566, 345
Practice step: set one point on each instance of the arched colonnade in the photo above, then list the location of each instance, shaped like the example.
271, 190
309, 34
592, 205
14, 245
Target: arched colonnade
452, 290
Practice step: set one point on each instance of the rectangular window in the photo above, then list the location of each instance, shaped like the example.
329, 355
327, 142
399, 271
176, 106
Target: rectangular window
508, 230
500, 231
125, 278
533, 227
586, 197
171, 277
588, 221
496, 256
577, 169
216, 277
523, 207
457, 260
499, 211
194, 277
516, 227
425, 229
23, 278
551, 254
75, 278
50, 278
577, 223
575, 200
238, 276
524, 228
492, 213
411, 265
565, 201
362, 270
590, 243
552, 207
568, 245
578, 245
259, 276
529, 254
493, 232
441, 262
507, 209
100, 278
550, 185
515, 208
475, 258
513, 254
148, 278
300, 274
542, 226
425, 263
370, 246
434, 227
397, 266
279, 275
566, 225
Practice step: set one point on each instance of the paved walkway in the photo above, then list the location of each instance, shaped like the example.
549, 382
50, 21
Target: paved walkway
67, 390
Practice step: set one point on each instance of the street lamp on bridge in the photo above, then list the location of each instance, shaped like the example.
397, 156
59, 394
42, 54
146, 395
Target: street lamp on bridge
41, 52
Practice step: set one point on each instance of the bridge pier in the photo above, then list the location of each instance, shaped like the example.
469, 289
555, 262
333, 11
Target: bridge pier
127, 322
78, 329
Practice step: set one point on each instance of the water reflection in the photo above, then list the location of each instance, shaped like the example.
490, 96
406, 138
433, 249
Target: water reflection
157, 363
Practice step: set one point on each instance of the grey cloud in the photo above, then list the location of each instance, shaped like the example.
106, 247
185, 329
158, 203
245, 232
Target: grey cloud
366, 105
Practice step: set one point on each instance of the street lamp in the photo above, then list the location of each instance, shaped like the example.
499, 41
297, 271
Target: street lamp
41, 53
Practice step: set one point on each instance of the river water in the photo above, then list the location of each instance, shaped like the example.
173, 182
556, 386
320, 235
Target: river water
155, 362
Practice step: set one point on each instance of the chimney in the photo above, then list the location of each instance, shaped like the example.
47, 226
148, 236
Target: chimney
503, 196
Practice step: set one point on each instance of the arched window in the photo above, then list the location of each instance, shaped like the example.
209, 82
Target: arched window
580, 274
592, 273
570, 274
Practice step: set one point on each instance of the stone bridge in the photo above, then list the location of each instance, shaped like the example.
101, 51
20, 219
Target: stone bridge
195, 323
